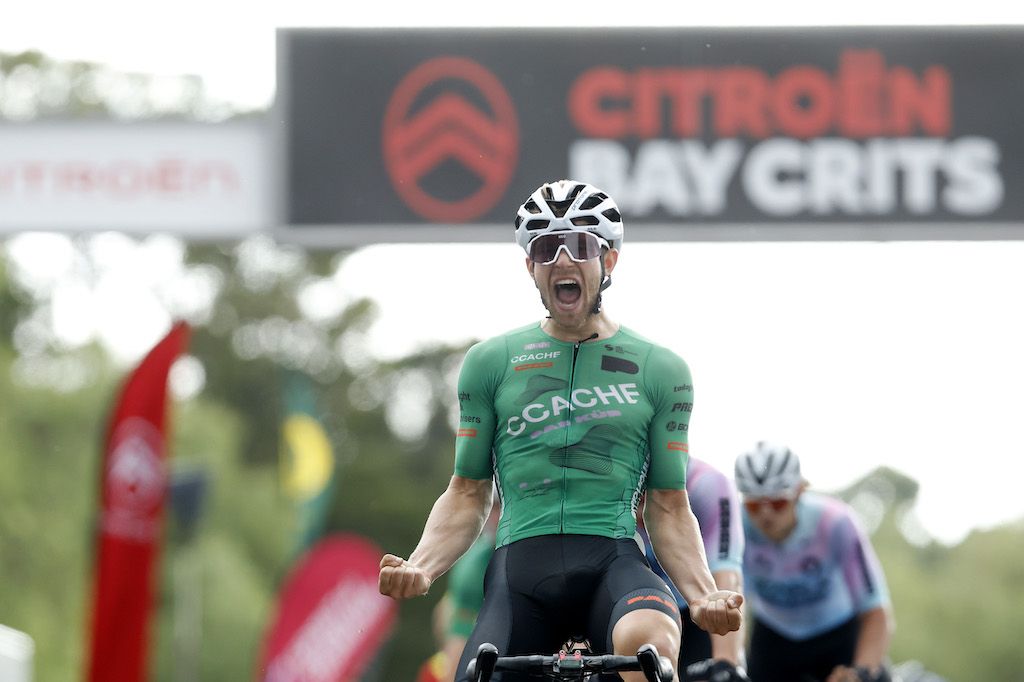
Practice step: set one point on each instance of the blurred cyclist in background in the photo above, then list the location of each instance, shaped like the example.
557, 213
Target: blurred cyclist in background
814, 586
715, 504
574, 417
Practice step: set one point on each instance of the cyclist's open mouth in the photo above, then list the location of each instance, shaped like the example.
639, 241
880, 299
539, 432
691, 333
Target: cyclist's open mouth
567, 291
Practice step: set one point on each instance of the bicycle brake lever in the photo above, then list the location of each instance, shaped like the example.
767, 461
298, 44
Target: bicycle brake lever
481, 668
647, 656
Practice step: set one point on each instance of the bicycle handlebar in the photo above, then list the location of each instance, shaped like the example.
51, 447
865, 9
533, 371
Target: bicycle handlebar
570, 666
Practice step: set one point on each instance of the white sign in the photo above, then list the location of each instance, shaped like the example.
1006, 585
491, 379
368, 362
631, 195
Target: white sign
16, 653
196, 180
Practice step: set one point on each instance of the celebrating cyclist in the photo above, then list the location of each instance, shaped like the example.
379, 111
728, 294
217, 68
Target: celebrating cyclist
715, 504
574, 418
815, 588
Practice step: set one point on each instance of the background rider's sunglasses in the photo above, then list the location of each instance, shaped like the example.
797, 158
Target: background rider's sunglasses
580, 246
776, 504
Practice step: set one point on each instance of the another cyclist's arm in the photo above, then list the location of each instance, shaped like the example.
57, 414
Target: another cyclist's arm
454, 523
873, 642
866, 582
871, 651
680, 549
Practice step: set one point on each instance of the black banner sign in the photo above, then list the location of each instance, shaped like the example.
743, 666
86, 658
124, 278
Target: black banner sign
825, 133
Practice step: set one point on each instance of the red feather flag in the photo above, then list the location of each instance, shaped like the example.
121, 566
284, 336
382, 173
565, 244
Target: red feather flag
134, 488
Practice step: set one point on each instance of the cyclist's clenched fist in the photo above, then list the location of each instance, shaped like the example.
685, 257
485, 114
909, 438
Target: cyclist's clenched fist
400, 579
718, 613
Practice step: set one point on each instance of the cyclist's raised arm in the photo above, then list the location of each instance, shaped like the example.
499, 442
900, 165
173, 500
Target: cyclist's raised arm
454, 523
680, 549
677, 543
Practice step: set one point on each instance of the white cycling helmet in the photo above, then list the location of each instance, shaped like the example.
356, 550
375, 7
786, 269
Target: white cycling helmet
569, 205
768, 470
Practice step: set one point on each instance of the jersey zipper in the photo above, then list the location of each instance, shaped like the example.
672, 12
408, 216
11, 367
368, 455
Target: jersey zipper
565, 449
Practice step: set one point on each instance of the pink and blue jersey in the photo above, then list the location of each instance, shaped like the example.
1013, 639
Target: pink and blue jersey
715, 503
819, 577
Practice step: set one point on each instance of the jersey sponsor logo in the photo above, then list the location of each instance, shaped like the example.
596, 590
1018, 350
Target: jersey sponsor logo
677, 426
536, 345
610, 363
682, 407
536, 413
684, 387
466, 433
468, 419
790, 593
579, 419
535, 488
724, 527
431, 123
532, 357
681, 447
811, 565
617, 349
533, 365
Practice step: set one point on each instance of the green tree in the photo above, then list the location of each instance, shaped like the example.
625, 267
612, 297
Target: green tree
941, 593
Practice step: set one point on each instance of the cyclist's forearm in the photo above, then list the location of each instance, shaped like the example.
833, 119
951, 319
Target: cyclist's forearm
454, 523
677, 543
873, 642
729, 647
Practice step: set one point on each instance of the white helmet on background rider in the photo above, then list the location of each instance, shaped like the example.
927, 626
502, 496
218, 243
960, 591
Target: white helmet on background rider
768, 470
569, 205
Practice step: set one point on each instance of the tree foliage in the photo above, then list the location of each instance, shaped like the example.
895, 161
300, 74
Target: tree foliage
952, 605
50, 443
34, 86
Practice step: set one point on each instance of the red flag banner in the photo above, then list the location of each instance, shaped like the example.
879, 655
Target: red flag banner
132, 501
331, 620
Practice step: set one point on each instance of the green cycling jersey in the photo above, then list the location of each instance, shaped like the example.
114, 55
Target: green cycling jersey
572, 433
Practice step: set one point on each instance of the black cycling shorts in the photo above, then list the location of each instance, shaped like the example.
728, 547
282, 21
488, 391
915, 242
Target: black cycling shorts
541, 591
696, 644
776, 658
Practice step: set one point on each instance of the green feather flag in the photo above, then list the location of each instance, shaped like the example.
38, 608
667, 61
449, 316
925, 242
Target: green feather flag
307, 461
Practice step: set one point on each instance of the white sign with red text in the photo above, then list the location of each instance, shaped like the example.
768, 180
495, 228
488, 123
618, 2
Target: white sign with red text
202, 181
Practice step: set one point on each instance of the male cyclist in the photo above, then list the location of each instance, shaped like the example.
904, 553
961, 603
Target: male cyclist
815, 587
574, 418
715, 504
